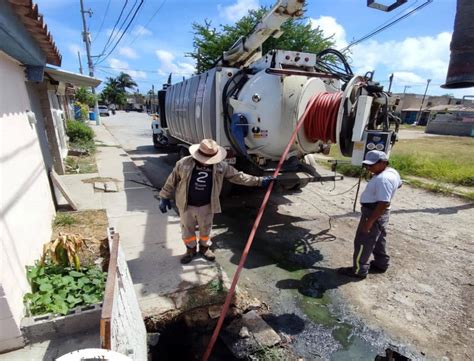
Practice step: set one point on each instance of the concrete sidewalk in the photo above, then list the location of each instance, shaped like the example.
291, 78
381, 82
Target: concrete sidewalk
151, 242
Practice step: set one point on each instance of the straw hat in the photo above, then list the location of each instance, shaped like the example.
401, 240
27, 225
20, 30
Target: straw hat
208, 152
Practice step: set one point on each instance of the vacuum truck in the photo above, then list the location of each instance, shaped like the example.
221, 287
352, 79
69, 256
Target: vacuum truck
250, 104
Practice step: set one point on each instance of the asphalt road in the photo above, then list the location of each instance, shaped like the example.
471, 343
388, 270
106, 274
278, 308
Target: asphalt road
133, 131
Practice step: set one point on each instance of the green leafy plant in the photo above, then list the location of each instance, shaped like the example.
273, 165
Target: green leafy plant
57, 289
63, 251
78, 131
85, 96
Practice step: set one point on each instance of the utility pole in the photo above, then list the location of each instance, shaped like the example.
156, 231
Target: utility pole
405, 89
87, 40
80, 62
422, 100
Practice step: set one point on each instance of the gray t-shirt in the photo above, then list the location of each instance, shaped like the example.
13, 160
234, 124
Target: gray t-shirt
382, 187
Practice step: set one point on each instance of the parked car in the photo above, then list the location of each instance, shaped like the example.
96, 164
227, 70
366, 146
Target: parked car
104, 110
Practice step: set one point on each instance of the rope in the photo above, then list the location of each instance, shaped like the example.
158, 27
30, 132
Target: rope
245, 253
320, 117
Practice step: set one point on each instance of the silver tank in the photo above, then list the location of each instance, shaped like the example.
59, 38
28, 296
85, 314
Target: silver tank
190, 108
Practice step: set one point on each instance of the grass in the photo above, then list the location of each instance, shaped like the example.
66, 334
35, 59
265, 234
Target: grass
80, 164
443, 163
63, 219
443, 159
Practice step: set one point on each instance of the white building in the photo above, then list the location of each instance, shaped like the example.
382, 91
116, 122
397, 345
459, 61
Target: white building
32, 142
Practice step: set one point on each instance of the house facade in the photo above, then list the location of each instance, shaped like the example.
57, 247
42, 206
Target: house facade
33, 105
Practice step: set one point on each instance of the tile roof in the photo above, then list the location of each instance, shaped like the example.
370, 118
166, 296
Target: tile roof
34, 24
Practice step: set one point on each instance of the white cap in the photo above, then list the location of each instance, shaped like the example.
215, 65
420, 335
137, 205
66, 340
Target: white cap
374, 156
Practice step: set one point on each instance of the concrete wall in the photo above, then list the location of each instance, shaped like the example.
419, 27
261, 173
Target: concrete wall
26, 206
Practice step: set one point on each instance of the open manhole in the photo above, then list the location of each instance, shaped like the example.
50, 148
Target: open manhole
178, 341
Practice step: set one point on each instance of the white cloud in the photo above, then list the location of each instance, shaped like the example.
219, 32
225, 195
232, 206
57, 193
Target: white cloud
238, 10
330, 28
140, 30
74, 48
169, 65
128, 52
408, 78
412, 60
428, 55
119, 66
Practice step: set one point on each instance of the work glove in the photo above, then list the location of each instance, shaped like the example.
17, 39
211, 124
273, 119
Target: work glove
165, 204
267, 180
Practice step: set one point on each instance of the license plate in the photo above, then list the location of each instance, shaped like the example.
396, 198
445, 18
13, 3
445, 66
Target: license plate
231, 160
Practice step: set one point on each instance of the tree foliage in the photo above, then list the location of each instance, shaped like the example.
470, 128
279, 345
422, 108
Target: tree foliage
115, 89
85, 96
210, 42
125, 81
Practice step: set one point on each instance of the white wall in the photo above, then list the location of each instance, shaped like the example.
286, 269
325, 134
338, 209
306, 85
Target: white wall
26, 207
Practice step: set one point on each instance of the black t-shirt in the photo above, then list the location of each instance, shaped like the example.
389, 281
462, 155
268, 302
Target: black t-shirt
200, 186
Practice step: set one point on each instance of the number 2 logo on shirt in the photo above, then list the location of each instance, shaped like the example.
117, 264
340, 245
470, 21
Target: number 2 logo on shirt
202, 177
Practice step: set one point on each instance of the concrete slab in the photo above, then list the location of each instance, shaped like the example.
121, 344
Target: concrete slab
82, 193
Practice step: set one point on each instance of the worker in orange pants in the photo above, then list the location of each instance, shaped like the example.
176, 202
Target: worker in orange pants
196, 183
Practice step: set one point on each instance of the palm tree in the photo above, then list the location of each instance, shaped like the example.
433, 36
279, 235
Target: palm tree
125, 81
112, 93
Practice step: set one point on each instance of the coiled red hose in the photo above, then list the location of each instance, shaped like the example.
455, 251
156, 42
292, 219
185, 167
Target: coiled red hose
321, 117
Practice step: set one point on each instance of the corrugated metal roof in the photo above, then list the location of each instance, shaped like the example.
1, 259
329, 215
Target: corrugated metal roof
33, 22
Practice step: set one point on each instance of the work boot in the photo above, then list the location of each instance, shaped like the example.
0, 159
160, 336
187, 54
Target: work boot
190, 254
206, 253
375, 269
349, 272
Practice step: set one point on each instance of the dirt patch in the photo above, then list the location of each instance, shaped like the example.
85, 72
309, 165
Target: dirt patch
423, 300
81, 164
92, 227
100, 179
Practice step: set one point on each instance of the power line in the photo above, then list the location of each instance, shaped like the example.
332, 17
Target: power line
148, 22
118, 68
124, 32
371, 34
102, 23
120, 29
113, 29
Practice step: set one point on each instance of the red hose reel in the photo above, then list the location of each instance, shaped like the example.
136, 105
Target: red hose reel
321, 117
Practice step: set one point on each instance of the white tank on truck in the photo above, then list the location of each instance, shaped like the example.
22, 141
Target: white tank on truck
250, 104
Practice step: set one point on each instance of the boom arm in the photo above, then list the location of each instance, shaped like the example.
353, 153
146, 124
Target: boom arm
243, 50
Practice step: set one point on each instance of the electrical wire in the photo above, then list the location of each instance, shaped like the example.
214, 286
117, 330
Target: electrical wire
373, 33
115, 26
102, 23
148, 22
124, 32
120, 29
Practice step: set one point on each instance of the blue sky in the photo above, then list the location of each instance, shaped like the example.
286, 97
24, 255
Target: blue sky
415, 49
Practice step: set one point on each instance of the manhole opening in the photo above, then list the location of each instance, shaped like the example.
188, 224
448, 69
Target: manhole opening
179, 341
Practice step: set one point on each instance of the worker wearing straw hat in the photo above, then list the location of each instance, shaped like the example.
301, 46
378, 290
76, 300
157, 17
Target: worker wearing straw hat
195, 183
